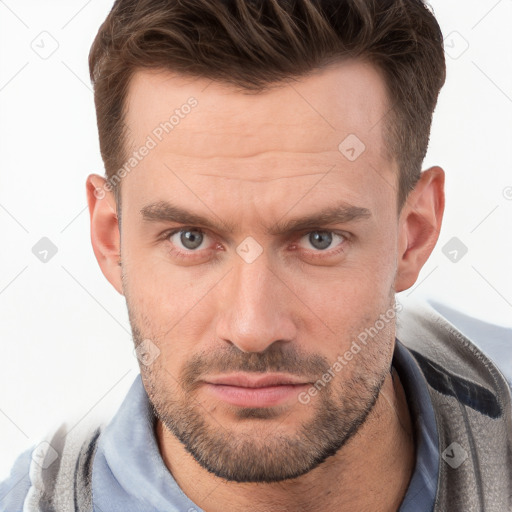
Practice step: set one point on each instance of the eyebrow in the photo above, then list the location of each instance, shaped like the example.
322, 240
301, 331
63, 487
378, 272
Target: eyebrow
342, 213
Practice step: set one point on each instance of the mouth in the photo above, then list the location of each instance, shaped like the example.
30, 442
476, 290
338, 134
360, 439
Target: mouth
249, 390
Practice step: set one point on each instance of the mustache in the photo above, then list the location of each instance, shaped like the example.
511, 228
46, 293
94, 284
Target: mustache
276, 358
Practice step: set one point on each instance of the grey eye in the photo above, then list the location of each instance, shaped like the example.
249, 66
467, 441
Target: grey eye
189, 238
320, 239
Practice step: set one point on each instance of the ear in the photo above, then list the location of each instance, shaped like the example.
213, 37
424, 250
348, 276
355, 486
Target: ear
419, 226
105, 236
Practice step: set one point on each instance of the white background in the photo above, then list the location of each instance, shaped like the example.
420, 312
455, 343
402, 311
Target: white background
66, 344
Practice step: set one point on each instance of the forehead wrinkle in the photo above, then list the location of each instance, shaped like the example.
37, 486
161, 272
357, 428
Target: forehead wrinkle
260, 179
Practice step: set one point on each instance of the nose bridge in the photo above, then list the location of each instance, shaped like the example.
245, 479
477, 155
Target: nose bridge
254, 314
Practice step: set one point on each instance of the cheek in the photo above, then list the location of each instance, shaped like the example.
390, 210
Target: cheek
346, 301
171, 306
156, 285
362, 283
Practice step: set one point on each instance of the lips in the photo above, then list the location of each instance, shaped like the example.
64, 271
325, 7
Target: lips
246, 390
256, 381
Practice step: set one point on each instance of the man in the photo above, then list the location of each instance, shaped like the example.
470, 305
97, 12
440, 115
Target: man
263, 205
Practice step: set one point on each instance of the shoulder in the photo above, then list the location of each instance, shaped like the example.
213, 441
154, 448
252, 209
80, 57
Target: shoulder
465, 361
455, 339
45, 476
14, 489
495, 341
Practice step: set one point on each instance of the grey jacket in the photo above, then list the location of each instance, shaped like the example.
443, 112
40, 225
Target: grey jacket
472, 404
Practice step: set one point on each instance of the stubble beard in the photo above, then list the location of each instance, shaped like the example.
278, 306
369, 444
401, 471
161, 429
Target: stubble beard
261, 450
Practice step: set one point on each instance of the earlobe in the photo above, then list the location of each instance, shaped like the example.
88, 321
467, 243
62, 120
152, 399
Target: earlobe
419, 226
105, 236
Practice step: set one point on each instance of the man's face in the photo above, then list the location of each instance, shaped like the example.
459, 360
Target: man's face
247, 290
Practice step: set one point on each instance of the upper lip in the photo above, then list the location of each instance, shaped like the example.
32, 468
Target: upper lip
255, 381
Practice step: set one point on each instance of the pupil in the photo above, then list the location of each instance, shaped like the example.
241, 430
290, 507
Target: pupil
320, 239
191, 239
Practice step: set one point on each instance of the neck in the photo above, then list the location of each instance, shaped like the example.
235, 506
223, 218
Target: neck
370, 472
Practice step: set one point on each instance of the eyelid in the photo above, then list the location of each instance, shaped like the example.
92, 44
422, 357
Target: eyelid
171, 231
335, 231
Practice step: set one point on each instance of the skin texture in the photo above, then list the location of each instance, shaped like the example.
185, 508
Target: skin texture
250, 163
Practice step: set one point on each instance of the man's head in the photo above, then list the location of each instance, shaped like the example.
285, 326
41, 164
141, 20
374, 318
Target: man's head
272, 205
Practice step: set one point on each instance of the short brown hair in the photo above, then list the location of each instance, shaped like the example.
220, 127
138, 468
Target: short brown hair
253, 44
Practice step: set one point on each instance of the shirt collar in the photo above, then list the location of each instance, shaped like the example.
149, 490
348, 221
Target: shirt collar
128, 471
422, 490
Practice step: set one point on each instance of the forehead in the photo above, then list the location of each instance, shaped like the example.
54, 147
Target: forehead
349, 95
300, 128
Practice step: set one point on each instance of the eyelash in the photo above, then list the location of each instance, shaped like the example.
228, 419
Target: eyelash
313, 254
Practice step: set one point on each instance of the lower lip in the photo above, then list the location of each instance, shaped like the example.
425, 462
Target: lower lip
255, 397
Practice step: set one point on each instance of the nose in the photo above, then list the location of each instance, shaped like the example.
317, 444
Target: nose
255, 307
